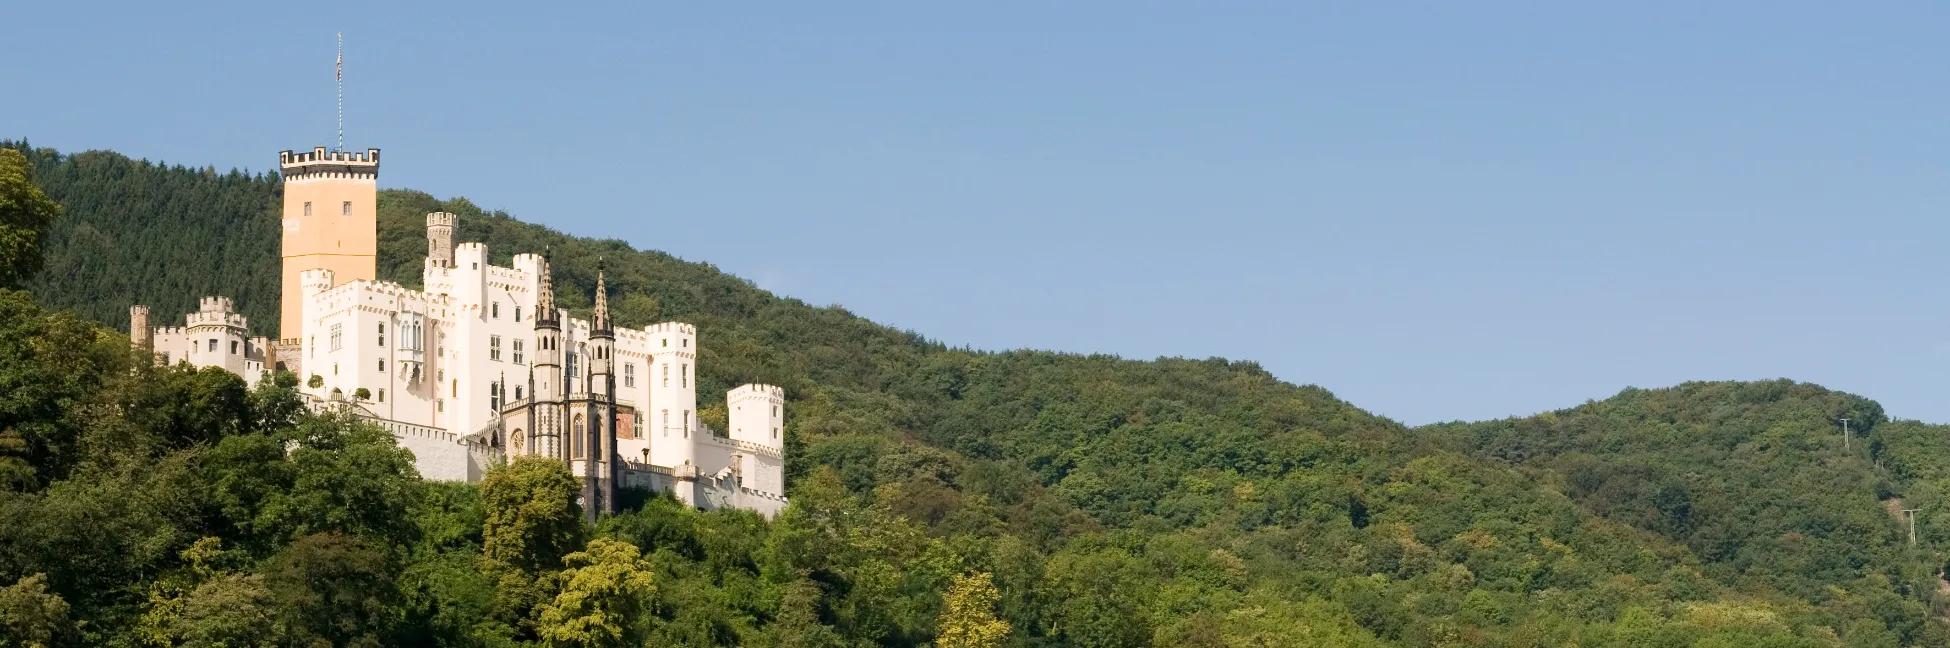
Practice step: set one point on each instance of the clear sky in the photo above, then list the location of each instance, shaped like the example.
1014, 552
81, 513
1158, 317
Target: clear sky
1461, 210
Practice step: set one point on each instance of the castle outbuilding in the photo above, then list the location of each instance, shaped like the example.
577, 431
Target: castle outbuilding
480, 364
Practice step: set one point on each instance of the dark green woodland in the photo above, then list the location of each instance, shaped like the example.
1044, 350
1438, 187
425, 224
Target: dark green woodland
941, 496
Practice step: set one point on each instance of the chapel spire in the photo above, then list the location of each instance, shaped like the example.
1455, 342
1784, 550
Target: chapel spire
601, 319
545, 298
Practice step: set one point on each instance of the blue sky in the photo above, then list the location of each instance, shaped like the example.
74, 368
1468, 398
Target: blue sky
1454, 211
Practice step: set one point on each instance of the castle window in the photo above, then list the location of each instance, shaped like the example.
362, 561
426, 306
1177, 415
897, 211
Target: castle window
494, 348
314, 346
307, 208
233, 347
496, 310
775, 433
575, 442
165, 357
338, 336
440, 405
382, 334
441, 376
335, 368
666, 342
666, 375
494, 395
775, 410
345, 209
382, 365
687, 424
517, 392
213, 345
636, 428
382, 395
686, 342
517, 351
666, 423
629, 374
455, 389
684, 375
571, 370
517, 313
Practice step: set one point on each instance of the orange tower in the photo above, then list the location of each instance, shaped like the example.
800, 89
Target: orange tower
330, 223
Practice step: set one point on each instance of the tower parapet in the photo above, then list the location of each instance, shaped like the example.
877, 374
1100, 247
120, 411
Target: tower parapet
320, 163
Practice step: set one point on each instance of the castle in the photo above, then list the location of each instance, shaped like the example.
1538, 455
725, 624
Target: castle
480, 365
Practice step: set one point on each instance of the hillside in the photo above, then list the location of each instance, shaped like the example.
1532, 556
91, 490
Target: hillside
1114, 502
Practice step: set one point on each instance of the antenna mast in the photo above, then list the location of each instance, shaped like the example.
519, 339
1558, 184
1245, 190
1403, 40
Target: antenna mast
338, 74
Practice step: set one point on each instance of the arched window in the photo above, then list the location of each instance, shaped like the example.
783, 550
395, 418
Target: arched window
576, 435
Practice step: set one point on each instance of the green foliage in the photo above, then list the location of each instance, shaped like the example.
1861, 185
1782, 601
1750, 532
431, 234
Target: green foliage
1110, 502
968, 614
136, 232
32, 617
25, 214
602, 594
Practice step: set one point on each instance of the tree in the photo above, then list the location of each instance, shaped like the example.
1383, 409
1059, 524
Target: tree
532, 516
229, 611
531, 522
316, 381
31, 616
797, 624
603, 597
332, 588
24, 213
361, 394
968, 614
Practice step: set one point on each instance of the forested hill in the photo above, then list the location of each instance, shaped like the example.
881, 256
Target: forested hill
1113, 502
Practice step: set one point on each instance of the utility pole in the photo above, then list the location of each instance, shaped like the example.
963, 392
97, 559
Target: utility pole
1845, 439
1912, 524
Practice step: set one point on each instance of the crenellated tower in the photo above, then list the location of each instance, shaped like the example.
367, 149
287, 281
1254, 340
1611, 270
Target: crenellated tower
140, 335
440, 239
330, 223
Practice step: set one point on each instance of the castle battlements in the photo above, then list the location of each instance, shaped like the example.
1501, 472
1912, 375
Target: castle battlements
214, 304
770, 393
321, 163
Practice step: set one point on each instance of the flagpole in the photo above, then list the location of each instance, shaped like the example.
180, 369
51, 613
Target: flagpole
338, 75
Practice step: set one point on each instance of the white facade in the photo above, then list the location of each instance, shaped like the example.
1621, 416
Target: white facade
213, 336
457, 369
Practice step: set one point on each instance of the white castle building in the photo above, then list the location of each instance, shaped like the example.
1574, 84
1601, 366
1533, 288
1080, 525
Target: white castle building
480, 364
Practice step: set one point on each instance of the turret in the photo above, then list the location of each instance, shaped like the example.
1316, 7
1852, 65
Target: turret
440, 239
139, 331
599, 489
757, 415
672, 411
547, 418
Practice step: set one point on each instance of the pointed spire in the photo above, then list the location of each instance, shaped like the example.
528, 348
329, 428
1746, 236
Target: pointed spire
545, 299
601, 325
